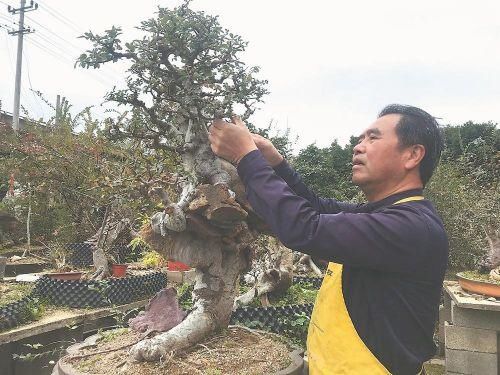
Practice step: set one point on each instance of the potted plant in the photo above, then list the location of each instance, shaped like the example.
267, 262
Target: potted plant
486, 278
118, 268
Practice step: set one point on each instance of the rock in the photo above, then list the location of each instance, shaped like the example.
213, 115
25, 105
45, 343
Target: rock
161, 314
27, 278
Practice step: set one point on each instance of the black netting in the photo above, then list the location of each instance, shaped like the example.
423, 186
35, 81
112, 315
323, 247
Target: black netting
81, 254
90, 293
274, 318
315, 281
15, 313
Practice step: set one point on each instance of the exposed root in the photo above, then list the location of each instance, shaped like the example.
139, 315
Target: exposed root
191, 331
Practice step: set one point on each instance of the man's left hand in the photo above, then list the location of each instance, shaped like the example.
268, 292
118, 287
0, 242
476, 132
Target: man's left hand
231, 140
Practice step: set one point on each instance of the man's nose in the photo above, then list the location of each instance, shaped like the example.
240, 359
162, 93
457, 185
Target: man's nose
358, 149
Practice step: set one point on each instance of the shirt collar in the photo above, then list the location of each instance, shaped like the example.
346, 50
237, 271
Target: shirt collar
391, 199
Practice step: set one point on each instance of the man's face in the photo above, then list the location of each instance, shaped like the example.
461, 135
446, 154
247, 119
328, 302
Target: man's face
377, 158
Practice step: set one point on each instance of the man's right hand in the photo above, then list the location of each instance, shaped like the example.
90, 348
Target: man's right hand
270, 152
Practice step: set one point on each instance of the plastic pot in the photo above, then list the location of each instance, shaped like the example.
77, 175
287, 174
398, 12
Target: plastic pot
119, 270
177, 266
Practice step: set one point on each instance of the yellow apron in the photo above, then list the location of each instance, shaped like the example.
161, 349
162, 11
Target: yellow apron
333, 345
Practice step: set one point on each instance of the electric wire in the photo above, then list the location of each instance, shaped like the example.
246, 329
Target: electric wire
52, 32
63, 19
106, 70
58, 56
37, 100
45, 40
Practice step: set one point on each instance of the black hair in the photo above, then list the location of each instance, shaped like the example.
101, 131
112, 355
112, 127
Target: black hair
418, 127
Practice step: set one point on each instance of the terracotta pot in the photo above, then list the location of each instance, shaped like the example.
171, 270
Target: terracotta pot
65, 275
479, 287
119, 270
177, 266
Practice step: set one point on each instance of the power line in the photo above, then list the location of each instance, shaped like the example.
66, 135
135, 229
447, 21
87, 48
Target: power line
63, 19
59, 57
37, 100
7, 19
77, 27
61, 52
53, 33
106, 70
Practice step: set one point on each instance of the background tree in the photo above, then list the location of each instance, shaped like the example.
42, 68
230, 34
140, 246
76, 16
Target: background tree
466, 191
72, 177
327, 170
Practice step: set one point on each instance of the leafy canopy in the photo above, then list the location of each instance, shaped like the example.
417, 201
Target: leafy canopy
185, 68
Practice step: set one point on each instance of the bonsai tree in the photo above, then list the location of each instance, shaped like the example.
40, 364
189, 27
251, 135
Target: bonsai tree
184, 73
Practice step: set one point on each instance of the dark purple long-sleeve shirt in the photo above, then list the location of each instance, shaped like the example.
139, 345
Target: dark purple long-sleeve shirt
394, 256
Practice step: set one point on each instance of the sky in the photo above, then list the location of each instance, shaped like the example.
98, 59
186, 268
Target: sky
331, 65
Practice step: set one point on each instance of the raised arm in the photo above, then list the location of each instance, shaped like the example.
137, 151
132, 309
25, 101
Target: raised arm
393, 240
295, 182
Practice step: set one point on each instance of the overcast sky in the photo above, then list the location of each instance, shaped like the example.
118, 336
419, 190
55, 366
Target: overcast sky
331, 65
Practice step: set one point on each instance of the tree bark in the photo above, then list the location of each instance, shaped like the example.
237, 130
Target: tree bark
218, 265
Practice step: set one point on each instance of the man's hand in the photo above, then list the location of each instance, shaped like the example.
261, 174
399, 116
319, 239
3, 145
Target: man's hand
231, 141
270, 152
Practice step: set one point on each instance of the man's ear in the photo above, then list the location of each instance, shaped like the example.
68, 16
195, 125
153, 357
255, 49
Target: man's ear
415, 155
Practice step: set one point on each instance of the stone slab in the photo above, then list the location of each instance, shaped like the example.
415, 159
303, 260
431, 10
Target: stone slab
469, 300
470, 339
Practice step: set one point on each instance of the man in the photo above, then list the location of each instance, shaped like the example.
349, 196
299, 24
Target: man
376, 310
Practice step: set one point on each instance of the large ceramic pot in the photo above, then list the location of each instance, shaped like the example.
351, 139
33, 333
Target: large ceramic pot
483, 287
296, 367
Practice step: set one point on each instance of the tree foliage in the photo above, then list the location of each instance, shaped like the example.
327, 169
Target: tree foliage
185, 68
70, 177
327, 170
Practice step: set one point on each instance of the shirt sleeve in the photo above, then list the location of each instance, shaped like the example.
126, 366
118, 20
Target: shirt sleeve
390, 240
322, 205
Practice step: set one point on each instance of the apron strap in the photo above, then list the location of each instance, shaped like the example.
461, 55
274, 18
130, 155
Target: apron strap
410, 199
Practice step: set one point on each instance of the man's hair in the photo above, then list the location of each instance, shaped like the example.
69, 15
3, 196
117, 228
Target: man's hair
418, 127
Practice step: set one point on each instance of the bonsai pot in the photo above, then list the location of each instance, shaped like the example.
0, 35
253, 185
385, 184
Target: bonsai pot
119, 270
67, 367
177, 266
65, 275
483, 287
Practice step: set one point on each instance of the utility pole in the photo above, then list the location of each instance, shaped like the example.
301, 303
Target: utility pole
20, 33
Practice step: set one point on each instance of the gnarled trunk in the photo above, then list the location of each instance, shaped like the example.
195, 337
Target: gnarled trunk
219, 256
271, 273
